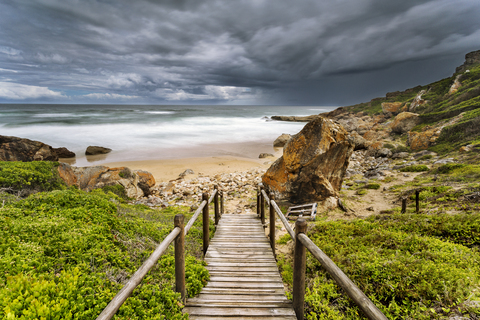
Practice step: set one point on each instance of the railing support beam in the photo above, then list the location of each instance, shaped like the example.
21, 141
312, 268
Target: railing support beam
262, 206
299, 266
206, 224
180, 257
272, 224
216, 205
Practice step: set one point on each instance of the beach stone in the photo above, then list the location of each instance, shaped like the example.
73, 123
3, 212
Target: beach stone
67, 174
358, 141
93, 150
391, 108
313, 164
184, 173
19, 149
64, 152
281, 141
400, 155
265, 155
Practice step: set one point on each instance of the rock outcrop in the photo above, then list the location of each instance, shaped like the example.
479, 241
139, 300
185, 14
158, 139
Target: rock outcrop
471, 59
417, 101
93, 150
405, 122
282, 140
137, 183
18, 149
313, 164
295, 118
392, 108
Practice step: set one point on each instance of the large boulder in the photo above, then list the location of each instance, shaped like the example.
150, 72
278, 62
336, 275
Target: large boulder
405, 122
418, 101
358, 141
137, 183
18, 149
313, 164
422, 140
281, 141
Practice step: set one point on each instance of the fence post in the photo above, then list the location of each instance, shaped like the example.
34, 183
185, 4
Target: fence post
179, 221
272, 224
262, 206
221, 204
417, 200
206, 224
404, 204
299, 265
258, 201
216, 205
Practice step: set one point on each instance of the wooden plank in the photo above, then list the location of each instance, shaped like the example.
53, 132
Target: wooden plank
244, 278
240, 318
251, 312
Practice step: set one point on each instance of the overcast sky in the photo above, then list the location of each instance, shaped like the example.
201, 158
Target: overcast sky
308, 52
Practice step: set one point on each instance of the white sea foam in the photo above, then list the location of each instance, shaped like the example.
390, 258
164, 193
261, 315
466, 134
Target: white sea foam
160, 112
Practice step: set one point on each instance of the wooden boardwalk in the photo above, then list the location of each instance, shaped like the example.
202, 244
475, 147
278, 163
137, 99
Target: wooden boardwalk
244, 278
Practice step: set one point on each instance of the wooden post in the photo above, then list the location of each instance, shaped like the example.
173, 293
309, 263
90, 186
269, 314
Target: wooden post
258, 201
299, 265
404, 204
221, 204
272, 224
417, 200
262, 207
179, 221
216, 205
206, 224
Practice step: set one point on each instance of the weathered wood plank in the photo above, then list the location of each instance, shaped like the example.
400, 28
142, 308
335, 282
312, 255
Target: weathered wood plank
252, 312
244, 278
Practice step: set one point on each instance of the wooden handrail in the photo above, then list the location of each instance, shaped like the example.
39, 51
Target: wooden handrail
135, 280
178, 235
367, 306
302, 241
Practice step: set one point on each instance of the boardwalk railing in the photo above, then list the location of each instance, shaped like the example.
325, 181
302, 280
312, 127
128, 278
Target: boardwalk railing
177, 235
302, 241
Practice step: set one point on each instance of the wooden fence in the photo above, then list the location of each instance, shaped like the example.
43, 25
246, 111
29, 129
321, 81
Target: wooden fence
177, 235
303, 242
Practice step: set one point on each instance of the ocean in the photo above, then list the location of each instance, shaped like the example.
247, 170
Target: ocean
146, 132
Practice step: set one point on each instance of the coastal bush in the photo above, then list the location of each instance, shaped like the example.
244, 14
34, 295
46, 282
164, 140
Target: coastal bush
461, 172
64, 254
408, 275
374, 186
118, 190
415, 168
28, 177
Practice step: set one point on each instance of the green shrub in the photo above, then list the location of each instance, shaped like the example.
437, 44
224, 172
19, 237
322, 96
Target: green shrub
372, 186
64, 254
450, 167
415, 168
30, 176
425, 157
118, 190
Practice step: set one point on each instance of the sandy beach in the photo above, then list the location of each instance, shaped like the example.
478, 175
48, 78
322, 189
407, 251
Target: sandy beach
169, 169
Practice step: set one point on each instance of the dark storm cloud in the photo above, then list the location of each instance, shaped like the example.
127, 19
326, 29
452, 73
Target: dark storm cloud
257, 51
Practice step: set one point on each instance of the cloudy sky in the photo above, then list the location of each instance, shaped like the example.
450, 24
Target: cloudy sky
308, 52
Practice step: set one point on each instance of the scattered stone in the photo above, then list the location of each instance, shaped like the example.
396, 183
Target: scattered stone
405, 122
281, 141
384, 153
444, 161
370, 209
94, 150
400, 155
295, 118
424, 153
265, 155
467, 148
184, 173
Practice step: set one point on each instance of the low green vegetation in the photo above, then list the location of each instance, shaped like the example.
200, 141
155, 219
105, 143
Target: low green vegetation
29, 177
411, 267
372, 185
65, 253
415, 168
